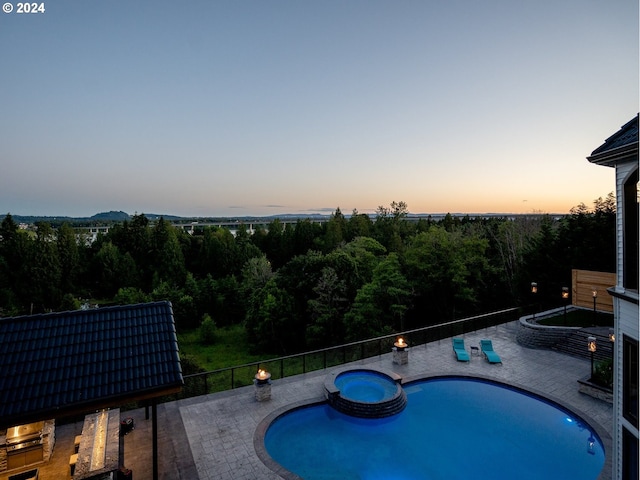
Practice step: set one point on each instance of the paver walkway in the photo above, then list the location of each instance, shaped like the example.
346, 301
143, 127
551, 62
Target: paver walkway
211, 437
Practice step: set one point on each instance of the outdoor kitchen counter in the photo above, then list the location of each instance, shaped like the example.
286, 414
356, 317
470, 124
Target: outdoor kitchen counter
99, 450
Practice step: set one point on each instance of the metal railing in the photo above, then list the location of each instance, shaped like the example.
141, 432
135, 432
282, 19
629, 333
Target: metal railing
281, 367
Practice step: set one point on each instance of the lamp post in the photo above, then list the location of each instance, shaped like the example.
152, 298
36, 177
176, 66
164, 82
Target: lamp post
591, 346
534, 290
565, 297
612, 339
594, 293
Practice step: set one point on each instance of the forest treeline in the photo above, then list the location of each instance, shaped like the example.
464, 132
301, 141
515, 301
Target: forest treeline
309, 285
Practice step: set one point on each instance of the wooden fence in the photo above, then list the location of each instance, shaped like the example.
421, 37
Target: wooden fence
583, 284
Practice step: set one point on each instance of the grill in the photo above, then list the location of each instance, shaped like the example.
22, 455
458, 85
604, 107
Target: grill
24, 436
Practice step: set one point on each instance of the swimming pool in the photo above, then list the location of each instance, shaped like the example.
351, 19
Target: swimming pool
452, 428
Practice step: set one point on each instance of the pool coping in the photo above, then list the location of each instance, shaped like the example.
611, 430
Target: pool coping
329, 382
263, 425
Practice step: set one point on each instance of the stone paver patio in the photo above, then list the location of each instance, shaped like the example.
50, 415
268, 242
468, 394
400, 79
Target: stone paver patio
220, 427
212, 436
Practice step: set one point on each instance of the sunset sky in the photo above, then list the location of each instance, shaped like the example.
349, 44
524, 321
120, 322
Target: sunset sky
260, 107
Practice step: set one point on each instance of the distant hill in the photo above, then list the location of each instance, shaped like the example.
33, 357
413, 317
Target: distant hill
103, 217
111, 216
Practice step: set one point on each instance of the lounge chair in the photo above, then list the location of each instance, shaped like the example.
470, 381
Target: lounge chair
459, 350
487, 348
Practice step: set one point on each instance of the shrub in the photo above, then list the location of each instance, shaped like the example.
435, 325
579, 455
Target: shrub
207, 330
603, 373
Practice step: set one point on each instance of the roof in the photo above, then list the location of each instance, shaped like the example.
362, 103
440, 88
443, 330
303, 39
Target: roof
622, 146
73, 362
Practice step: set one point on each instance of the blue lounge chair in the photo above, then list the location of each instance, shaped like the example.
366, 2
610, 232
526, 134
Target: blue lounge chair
459, 350
487, 348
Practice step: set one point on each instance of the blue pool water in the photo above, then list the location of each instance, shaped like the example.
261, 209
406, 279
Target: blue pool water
365, 386
451, 429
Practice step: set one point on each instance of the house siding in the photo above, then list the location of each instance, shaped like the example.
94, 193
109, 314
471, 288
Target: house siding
622, 173
627, 318
621, 152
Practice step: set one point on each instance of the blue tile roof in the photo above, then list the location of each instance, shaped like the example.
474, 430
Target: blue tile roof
71, 362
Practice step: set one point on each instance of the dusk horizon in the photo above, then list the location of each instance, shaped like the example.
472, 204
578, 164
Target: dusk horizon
260, 108
284, 212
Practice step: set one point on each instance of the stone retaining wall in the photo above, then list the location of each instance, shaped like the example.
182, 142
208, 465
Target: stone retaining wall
532, 335
595, 391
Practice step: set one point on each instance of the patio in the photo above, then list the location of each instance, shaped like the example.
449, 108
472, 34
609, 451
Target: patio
212, 436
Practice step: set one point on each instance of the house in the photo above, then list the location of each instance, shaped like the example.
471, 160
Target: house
620, 151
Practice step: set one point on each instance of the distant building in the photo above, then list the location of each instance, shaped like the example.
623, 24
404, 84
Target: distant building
620, 151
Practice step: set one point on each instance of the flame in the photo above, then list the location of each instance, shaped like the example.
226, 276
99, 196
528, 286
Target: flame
262, 374
400, 341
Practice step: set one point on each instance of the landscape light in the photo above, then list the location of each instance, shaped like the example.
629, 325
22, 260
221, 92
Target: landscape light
591, 346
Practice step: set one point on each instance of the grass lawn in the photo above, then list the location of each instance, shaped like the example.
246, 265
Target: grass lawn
230, 348
579, 318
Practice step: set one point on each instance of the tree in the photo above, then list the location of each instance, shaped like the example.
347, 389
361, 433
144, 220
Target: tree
69, 303
327, 310
8, 231
134, 238
14, 263
130, 296
335, 231
366, 254
510, 240
113, 270
245, 249
207, 330
44, 270
69, 256
585, 239
446, 271
167, 258
390, 226
275, 248
543, 263
359, 225
380, 305
270, 321
223, 298
304, 236
255, 274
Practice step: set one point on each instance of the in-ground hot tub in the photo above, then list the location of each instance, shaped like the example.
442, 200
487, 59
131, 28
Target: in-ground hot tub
365, 393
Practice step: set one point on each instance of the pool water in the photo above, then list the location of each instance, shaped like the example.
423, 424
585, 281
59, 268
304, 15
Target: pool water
451, 429
365, 386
